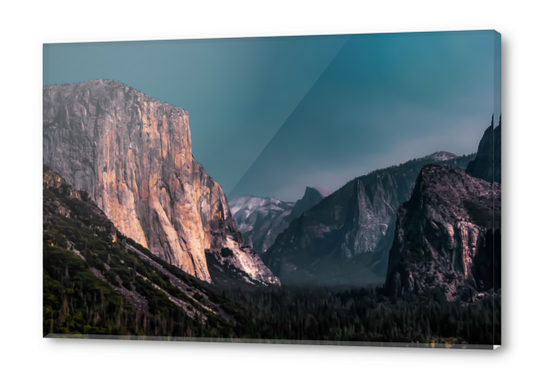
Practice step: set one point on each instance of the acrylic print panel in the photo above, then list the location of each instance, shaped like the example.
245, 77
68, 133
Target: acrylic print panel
339, 189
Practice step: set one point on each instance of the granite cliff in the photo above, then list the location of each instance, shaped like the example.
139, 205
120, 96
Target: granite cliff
133, 155
346, 237
447, 237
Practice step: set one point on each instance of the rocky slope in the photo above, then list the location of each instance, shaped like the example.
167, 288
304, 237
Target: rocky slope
487, 164
447, 237
132, 154
60, 198
98, 282
345, 239
261, 220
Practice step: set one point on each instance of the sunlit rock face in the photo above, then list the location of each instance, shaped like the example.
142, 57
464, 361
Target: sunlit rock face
447, 237
133, 155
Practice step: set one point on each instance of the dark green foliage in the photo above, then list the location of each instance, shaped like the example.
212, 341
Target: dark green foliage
80, 303
364, 314
76, 301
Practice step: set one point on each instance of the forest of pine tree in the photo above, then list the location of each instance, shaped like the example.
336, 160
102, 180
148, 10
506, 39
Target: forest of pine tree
85, 267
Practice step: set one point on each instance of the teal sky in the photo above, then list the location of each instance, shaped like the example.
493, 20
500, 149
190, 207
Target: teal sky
270, 116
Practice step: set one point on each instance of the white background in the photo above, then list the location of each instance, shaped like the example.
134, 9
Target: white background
25, 26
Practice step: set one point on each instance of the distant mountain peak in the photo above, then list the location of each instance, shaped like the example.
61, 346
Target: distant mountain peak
441, 156
261, 219
312, 196
324, 192
346, 237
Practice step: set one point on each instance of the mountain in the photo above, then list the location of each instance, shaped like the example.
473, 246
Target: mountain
261, 220
312, 196
441, 156
345, 239
97, 281
487, 164
133, 155
447, 237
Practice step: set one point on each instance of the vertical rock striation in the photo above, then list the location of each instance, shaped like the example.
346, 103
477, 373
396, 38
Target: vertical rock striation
447, 237
346, 237
133, 155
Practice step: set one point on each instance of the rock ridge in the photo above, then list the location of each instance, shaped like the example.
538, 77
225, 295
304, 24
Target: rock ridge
132, 154
346, 237
447, 237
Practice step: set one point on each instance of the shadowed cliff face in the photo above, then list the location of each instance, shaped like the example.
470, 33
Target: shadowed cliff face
133, 155
487, 164
447, 237
346, 237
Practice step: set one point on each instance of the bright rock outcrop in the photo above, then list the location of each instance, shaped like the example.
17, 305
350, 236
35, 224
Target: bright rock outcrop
133, 155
